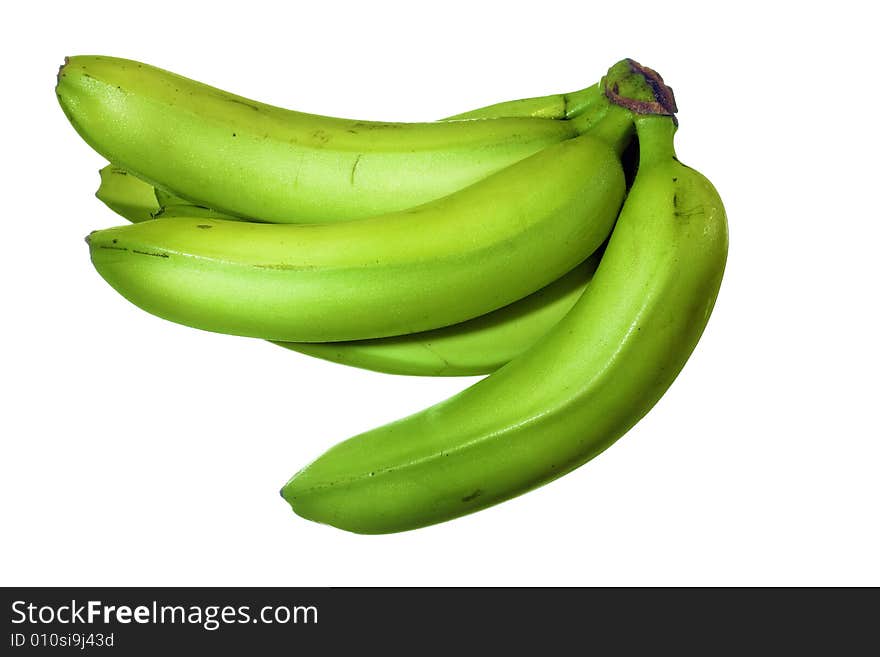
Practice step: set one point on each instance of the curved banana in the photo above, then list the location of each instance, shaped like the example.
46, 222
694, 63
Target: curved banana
126, 194
248, 159
478, 346
568, 398
437, 264
136, 200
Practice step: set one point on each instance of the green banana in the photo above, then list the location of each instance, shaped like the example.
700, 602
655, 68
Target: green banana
136, 200
590, 379
477, 346
248, 159
393, 274
126, 194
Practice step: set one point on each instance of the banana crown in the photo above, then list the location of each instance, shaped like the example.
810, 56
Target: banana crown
639, 89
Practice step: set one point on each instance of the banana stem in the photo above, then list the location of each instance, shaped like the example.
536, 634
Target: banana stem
656, 136
578, 102
612, 124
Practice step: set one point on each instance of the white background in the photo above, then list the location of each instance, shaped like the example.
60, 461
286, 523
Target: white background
135, 451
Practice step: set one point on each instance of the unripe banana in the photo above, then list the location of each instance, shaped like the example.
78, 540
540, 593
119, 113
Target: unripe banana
444, 262
477, 346
248, 159
569, 397
136, 200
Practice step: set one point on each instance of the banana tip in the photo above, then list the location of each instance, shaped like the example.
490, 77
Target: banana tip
61, 68
284, 495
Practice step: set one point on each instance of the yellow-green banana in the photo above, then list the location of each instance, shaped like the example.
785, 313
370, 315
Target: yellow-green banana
136, 200
433, 265
477, 346
253, 160
590, 379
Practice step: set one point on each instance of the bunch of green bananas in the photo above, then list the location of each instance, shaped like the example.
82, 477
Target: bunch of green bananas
502, 241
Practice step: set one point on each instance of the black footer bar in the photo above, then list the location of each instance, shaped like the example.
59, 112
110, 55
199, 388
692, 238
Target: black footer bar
131, 621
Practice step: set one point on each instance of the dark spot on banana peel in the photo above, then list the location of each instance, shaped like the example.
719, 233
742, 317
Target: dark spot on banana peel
146, 253
241, 102
204, 226
321, 135
472, 496
285, 267
354, 167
